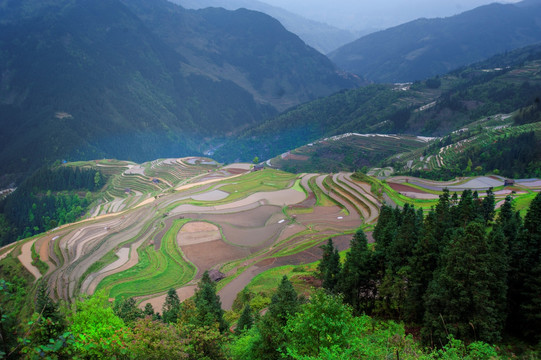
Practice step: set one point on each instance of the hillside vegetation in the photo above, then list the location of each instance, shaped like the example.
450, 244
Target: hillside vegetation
427, 47
140, 80
434, 107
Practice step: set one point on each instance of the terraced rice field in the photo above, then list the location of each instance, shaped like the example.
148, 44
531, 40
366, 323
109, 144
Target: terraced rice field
230, 219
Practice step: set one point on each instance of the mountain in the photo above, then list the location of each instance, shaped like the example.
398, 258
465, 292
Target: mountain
322, 37
434, 107
247, 47
427, 47
144, 79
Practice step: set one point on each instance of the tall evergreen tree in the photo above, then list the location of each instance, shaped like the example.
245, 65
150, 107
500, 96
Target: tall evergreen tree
284, 304
171, 307
423, 264
246, 320
488, 206
329, 266
528, 272
127, 310
459, 299
357, 283
208, 304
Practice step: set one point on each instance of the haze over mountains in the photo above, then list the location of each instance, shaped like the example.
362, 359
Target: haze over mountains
322, 37
142, 79
427, 47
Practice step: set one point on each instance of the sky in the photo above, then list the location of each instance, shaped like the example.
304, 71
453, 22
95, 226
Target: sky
380, 14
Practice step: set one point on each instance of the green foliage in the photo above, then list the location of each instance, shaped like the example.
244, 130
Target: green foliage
98, 332
246, 320
461, 298
171, 307
329, 267
525, 274
356, 281
208, 305
322, 323
271, 340
156, 340
33, 208
127, 310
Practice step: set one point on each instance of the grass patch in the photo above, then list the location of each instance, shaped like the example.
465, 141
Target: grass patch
156, 271
36, 261
322, 199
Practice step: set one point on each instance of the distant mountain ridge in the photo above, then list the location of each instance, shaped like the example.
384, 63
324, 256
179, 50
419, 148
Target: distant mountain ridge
142, 79
433, 107
427, 47
322, 37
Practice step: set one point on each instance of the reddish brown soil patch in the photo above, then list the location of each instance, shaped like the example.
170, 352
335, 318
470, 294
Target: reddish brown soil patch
329, 216
253, 237
309, 202
207, 255
405, 188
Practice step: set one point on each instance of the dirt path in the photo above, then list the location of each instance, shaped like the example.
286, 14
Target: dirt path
26, 259
4, 255
157, 302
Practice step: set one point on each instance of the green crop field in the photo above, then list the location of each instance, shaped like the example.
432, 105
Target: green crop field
156, 271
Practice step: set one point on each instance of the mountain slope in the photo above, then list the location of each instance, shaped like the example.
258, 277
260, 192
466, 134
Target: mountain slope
427, 47
82, 79
434, 107
249, 48
322, 37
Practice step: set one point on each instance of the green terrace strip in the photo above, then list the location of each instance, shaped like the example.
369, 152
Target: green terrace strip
156, 272
242, 187
331, 186
322, 199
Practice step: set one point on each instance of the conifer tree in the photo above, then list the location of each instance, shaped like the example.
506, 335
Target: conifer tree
459, 299
171, 307
284, 304
208, 304
488, 206
527, 273
127, 310
357, 283
246, 320
329, 266
423, 264
149, 310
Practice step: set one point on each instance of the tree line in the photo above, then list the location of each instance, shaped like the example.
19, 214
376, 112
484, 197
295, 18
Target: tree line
458, 271
48, 198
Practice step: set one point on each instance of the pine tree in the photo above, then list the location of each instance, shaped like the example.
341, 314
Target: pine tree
171, 307
284, 304
127, 310
459, 299
488, 206
329, 266
246, 320
208, 304
357, 283
528, 272
149, 310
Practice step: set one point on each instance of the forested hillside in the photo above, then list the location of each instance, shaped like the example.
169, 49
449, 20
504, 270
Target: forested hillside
142, 79
427, 47
47, 199
434, 107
